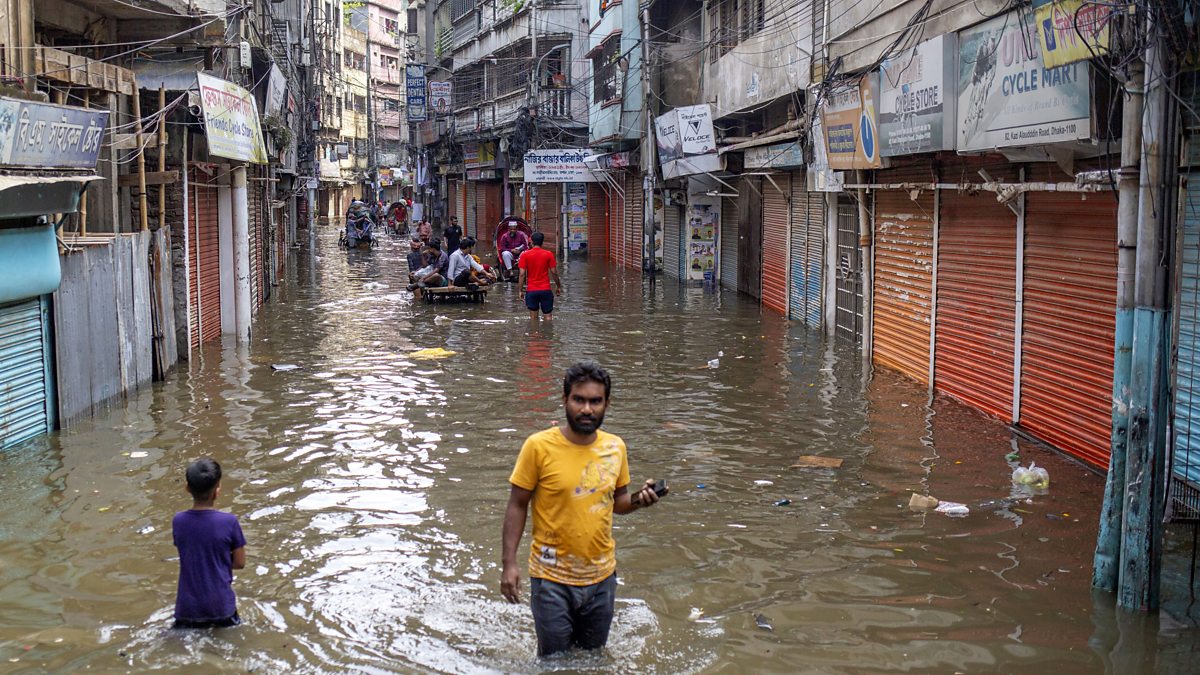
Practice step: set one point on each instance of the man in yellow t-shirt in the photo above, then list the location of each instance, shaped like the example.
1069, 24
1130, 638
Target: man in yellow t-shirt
576, 476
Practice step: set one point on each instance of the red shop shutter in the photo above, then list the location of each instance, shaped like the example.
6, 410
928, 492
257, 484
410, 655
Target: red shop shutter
597, 206
205, 261
775, 244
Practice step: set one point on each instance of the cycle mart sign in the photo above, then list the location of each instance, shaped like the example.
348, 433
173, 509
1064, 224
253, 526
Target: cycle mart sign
1007, 98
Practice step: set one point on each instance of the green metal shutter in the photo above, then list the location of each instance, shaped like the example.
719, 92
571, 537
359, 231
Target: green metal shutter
24, 392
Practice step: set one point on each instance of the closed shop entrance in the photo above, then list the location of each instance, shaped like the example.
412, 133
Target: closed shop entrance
750, 237
848, 275
26, 393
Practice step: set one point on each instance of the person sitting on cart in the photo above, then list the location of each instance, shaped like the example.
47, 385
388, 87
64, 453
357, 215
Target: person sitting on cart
465, 272
512, 244
416, 259
429, 276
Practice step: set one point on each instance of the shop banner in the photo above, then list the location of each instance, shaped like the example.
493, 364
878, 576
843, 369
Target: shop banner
701, 233
414, 85
40, 135
1007, 99
686, 142
1072, 30
557, 166
231, 121
851, 130
778, 156
276, 91
479, 155
917, 98
577, 220
439, 96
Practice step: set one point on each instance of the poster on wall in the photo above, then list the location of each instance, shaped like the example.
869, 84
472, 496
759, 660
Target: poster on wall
917, 99
701, 242
660, 217
1006, 98
577, 221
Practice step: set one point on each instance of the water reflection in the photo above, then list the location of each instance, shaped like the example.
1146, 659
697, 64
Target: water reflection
371, 487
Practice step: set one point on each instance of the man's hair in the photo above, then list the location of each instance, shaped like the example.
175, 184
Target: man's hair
538, 238
203, 476
464, 244
585, 371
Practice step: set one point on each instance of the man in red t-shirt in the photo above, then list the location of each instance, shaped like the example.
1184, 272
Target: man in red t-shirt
537, 267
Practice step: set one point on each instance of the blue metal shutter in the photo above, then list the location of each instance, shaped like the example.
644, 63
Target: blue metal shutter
23, 372
728, 261
1185, 459
807, 252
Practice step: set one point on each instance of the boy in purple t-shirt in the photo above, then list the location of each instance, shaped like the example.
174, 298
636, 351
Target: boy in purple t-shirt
211, 546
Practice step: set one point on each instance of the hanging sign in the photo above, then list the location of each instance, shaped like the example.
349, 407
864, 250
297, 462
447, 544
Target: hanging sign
50, 136
230, 121
686, 142
851, 130
414, 84
778, 156
916, 109
557, 166
439, 96
1006, 98
1072, 30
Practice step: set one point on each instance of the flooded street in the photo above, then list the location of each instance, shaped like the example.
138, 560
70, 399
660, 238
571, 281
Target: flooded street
372, 485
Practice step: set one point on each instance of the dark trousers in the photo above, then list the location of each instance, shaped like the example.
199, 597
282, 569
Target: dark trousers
227, 622
571, 616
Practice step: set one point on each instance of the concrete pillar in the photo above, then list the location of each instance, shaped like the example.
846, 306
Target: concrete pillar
241, 253
225, 252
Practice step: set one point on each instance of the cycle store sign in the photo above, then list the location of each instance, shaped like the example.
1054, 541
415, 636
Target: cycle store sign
1007, 98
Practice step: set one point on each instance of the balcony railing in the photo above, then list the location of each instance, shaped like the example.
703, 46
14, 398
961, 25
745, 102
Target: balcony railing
555, 103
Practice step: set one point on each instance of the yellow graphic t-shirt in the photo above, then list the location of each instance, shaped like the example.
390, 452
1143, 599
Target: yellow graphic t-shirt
572, 489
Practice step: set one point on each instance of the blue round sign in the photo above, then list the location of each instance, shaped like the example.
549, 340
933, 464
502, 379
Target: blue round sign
866, 132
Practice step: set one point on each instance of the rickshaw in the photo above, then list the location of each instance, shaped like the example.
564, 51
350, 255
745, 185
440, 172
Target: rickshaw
501, 229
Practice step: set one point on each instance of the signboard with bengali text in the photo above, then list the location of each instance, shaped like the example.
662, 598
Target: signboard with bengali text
42, 135
557, 166
231, 121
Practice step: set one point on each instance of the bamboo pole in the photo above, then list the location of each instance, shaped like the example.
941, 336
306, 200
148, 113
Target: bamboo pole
87, 103
162, 154
137, 115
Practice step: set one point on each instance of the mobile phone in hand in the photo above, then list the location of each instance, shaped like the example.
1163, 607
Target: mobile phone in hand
660, 489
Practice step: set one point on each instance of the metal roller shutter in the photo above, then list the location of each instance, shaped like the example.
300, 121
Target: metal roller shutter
1185, 461
470, 205
807, 252
547, 218
1068, 342
205, 262
729, 243
976, 296
814, 291
775, 243
672, 241
903, 291
24, 391
254, 197
634, 209
597, 206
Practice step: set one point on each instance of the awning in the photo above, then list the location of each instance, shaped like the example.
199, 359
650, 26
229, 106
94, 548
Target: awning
24, 196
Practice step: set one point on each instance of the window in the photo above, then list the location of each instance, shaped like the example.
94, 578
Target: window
391, 105
458, 8
360, 103
392, 27
752, 18
354, 60
732, 21
607, 81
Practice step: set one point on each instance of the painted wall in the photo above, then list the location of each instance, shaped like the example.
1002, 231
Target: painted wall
618, 120
774, 62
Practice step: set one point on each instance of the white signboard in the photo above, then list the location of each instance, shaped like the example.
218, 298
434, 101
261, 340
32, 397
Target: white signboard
231, 121
686, 142
1006, 98
696, 130
917, 99
276, 91
563, 165
439, 96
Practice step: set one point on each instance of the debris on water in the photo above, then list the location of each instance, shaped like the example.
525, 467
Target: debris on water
1013, 456
714, 363
138, 454
102, 509
440, 319
1034, 476
284, 367
432, 353
903, 405
697, 613
146, 530
507, 430
720, 354
953, 509
783, 502
632, 332
700, 486
762, 622
816, 462
763, 482
922, 502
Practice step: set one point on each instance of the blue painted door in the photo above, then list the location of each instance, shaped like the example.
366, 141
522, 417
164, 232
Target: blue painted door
26, 393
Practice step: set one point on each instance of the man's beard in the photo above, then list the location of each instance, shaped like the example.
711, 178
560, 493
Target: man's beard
585, 424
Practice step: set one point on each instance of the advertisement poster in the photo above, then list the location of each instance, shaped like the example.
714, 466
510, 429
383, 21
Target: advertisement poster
916, 107
660, 217
564, 165
851, 129
439, 96
43, 135
1072, 30
577, 220
686, 142
702, 242
231, 121
1007, 99
414, 85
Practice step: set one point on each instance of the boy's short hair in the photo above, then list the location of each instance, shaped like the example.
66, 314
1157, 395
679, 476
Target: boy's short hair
203, 476
538, 238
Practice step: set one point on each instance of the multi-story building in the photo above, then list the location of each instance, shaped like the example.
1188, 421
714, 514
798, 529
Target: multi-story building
384, 26
328, 92
517, 74
355, 113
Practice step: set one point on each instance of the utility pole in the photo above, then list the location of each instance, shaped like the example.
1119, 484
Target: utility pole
371, 164
648, 223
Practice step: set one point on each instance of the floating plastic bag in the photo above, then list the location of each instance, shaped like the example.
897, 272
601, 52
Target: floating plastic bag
1034, 476
432, 353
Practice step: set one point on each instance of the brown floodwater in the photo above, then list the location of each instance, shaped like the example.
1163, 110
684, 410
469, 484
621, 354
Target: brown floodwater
371, 487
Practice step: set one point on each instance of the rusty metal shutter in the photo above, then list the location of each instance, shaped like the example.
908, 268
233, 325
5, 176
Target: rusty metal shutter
903, 291
204, 262
597, 210
631, 242
470, 205
616, 221
976, 296
254, 197
25, 389
729, 243
672, 241
807, 252
775, 243
547, 218
1069, 321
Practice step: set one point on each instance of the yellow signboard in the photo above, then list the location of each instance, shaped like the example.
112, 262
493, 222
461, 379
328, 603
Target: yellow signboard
1071, 30
231, 121
851, 127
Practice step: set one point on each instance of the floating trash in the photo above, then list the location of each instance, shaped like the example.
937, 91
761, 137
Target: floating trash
432, 353
284, 367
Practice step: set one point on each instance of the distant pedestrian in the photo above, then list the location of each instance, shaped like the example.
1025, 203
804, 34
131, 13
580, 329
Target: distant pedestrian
453, 234
424, 231
576, 477
538, 267
211, 546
